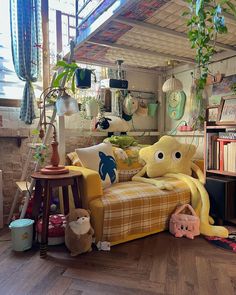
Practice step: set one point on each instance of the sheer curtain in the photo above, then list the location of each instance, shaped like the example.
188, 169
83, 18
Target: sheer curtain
25, 17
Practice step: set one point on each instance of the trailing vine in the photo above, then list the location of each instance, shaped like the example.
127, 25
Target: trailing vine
205, 22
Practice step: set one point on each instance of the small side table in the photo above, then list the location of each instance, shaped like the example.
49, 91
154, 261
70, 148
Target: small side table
45, 183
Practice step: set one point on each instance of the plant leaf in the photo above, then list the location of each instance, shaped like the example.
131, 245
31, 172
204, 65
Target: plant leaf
62, 63
56, 82
73, 83
82, 74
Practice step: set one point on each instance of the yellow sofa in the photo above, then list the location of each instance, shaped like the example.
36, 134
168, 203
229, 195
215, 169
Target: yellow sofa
128, 210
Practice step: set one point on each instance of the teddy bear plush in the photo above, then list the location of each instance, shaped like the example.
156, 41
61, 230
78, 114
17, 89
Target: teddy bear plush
78, 232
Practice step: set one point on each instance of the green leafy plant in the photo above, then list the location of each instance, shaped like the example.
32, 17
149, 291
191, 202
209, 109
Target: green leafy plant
41, 153
69, 72
205, 22
233, 87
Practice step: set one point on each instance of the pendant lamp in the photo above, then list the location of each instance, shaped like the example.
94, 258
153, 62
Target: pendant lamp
172, 84
66, 105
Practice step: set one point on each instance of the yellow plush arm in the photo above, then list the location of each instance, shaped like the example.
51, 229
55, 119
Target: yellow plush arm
158, 183
90, 186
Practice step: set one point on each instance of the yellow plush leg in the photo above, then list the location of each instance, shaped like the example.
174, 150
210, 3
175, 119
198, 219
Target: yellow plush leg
194, 192
205, 227
196, 201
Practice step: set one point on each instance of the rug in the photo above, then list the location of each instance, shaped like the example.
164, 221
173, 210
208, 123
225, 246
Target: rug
225, 243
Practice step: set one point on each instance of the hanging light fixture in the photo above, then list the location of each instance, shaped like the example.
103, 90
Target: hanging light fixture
172, 84
66, 105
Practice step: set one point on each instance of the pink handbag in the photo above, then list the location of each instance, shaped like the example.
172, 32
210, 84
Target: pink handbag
184, 224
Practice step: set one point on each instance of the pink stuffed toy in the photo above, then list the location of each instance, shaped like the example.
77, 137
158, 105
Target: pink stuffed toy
183, 224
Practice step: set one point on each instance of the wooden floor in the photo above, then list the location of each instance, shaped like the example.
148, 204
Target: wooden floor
158, 264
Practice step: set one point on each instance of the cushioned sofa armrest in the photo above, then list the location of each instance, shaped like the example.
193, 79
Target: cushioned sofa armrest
90, 186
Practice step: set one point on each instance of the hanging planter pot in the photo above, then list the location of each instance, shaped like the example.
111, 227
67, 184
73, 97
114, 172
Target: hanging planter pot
91, 108
83, 78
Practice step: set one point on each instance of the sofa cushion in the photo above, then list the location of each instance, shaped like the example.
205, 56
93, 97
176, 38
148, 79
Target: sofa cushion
128, 162
73, 159
101, 159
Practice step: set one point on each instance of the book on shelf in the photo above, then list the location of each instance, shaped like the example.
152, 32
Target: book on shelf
221, 152
212, 149
227, 135
228, 156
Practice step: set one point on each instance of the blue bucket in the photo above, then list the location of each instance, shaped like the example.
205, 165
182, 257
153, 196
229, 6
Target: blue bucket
21, 234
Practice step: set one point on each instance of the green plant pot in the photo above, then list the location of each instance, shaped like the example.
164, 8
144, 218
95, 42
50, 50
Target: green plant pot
83, 78
152, 108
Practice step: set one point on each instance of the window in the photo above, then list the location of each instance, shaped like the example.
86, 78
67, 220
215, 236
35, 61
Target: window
10, 85
61, 27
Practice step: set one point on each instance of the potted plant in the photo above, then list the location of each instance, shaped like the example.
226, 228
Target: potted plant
233, 87
78, 77
90, 107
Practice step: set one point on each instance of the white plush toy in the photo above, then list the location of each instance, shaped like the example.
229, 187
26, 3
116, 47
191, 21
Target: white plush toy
113, 124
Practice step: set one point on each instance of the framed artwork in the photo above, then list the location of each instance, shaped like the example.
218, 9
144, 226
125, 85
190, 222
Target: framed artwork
212, 114
227, 111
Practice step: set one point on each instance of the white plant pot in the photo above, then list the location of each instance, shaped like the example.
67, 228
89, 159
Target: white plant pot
92, 108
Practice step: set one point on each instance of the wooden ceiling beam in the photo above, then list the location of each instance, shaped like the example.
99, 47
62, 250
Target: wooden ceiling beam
156, 29
143, 51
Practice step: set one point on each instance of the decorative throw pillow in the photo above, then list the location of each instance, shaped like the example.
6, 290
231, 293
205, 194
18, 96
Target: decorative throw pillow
128, 158
126, 175
74, 159
101, 159
128, 162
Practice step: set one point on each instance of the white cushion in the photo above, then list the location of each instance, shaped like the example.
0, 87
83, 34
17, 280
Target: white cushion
100, 158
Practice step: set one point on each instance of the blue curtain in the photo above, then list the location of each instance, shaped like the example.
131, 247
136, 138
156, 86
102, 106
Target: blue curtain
26, 49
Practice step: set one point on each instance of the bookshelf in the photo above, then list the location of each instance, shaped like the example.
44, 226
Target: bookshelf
220, 170
219, 153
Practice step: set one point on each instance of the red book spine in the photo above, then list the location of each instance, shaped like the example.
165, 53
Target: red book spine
222, 155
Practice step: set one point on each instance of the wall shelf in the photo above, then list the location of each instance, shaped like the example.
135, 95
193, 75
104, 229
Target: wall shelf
186, 133
222, 172
18, 138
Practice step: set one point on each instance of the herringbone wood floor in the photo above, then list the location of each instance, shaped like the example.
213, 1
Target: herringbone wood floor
158, 264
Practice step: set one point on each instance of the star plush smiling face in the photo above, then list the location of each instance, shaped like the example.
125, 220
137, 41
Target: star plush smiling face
167, 156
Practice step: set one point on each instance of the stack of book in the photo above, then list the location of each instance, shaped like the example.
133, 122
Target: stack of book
228, 154
221, 151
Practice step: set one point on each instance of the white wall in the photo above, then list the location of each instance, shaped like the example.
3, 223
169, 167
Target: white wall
142, 81
227, 67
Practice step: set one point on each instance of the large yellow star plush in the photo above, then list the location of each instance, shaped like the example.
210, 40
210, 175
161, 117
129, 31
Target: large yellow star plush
170, 158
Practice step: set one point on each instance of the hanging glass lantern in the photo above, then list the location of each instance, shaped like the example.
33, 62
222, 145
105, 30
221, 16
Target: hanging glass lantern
66, 105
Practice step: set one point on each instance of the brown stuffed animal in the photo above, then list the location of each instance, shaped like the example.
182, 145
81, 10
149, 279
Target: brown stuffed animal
78, 232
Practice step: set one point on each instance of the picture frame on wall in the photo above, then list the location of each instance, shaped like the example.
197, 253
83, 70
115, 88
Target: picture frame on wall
227, 111
212, 114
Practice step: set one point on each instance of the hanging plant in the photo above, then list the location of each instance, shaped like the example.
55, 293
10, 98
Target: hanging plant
205, 22
90, 107
41, 153
74, 75
233, 87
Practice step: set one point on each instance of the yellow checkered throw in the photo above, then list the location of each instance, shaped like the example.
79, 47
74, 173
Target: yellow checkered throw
134, 207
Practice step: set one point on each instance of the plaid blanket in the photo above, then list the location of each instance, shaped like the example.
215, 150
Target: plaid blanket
138, 208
